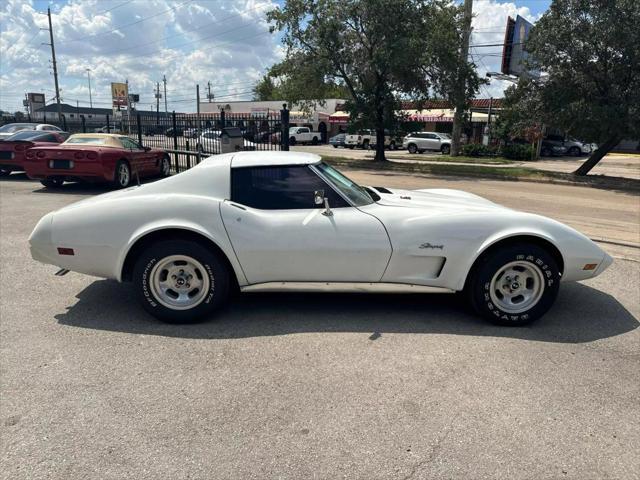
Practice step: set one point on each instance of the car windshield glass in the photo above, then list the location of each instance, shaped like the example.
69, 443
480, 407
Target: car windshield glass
350, 189
26, 135
445, 135
16, 127
88, 140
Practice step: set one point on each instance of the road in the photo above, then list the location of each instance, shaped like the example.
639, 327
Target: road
615, 165
328, 386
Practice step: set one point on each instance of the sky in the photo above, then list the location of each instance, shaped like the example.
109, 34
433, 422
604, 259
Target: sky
225, 42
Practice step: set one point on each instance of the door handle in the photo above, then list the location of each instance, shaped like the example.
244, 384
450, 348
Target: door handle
237, 206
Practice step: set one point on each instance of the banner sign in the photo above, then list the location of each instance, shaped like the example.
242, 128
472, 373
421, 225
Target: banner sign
119, 93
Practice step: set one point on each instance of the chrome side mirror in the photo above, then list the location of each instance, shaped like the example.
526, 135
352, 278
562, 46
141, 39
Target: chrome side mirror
318, 197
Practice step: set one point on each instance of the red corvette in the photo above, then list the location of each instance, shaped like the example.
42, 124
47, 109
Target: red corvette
14, 148
96, 157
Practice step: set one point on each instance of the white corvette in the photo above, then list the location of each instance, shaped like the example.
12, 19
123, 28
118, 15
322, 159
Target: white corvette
282, 221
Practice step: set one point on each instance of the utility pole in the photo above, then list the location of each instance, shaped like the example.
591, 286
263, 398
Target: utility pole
89, 78
164, 81
461, 84
128, 109
198, 109
209, 94
55, 67
158, 98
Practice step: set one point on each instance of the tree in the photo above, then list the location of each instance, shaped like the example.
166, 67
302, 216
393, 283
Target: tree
589, 54
381, 51
265, 89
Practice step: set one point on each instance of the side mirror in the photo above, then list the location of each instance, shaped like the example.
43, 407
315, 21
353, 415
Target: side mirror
318, 197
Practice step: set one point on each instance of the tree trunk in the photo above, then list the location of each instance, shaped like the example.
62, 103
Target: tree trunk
380, 145
596, 156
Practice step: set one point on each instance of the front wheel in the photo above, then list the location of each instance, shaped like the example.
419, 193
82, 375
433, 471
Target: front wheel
165, 166
575, 152
545, 152
292, 141
412, 148
445, 149
335, 146
180, 281
515, 285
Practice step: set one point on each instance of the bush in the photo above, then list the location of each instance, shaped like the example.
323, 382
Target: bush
478, 150
517, 151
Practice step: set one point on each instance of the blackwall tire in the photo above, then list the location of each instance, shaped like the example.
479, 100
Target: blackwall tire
445, 149
575, 152
412, 148
515, 285
175, 300
52, 182
292, 141
122, 175
4, 173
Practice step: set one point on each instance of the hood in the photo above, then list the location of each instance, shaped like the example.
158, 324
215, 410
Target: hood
435, 200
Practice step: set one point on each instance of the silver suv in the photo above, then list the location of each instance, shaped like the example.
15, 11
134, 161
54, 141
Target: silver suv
421, 141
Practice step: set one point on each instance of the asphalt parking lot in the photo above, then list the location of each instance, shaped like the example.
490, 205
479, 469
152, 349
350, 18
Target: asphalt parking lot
320, 386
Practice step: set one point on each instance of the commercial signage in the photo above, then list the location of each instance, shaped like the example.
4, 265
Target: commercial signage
119, 92
514, 55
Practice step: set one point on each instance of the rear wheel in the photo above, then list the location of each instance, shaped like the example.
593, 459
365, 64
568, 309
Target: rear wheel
4, 173
122, 175
180, 281
392, 146
52, 182
545, 152
575, 152
514, 285
412, 148
314, 141
366, 145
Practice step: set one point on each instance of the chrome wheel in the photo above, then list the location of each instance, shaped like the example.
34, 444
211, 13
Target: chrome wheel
165, 167
123, 174
517, 287
179, 282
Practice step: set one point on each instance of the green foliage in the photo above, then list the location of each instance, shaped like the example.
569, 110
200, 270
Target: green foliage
478, 150
381, 51
517, 151
590, 52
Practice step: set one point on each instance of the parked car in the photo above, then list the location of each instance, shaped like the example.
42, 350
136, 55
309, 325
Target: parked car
191, 132
170, 132
265, 221
106, 129
11, 128
572, 146
421, 141
95, 157
14, 148
303, 135
368, 138
209, 142
338, 140
551, 149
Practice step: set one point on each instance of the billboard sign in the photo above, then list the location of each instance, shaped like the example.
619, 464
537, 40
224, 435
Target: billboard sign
513, 54
119, 92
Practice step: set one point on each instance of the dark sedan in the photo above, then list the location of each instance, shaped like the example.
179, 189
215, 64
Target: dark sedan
338, 140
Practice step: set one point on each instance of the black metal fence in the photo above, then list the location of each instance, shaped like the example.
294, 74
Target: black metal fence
187, 137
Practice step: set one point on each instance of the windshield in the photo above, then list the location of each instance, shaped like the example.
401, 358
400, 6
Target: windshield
350, 189
27, 135
445, 135
16, 127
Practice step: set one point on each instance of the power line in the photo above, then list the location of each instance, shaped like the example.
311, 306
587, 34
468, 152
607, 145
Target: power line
113, 8
125, 25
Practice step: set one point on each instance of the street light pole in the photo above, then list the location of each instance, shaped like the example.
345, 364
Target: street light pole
89, 78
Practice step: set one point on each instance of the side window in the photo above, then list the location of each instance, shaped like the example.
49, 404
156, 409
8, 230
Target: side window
130, 144
280, 188
48, 138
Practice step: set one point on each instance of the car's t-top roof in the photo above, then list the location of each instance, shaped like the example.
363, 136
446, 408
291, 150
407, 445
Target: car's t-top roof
95, 139
266, 159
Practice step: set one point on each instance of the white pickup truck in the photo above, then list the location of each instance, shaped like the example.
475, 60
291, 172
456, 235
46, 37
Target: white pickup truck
303, 135
367, 139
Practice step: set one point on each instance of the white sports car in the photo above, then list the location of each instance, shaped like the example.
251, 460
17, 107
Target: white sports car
283, 221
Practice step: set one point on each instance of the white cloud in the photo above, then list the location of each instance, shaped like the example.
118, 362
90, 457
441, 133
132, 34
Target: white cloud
190, 41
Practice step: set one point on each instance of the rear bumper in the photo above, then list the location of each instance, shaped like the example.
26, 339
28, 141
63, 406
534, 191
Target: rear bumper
81, 170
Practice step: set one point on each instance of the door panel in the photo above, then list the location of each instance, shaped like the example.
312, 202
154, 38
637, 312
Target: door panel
305, 245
